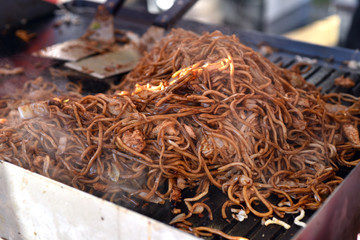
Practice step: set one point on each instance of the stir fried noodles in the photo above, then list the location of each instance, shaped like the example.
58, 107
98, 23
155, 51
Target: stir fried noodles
197, 111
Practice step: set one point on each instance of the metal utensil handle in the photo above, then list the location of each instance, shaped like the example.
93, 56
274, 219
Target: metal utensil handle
113, 5
168, 18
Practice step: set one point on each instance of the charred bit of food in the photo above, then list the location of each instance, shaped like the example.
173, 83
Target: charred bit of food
24, 35
344, 82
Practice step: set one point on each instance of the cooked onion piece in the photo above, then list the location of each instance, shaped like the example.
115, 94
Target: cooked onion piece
298, 219
33, 110
274, 220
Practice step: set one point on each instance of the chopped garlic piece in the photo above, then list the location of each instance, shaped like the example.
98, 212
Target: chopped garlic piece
198, 210
241, 216
62, 145
281, 204
353, 64
305, 60
178, 218
278, 222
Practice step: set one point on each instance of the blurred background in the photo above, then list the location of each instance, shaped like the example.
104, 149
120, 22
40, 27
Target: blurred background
323, 22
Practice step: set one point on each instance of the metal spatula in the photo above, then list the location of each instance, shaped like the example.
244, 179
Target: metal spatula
124, 58
98, 37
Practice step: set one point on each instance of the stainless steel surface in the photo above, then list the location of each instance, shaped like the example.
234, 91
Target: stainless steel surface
123, 59
71, 50
98, 37
108, 64
36, 207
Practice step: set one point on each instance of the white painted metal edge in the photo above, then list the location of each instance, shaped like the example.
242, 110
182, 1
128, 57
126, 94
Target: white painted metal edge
35, 207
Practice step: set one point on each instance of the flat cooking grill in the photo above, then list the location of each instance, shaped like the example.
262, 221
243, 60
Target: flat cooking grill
322, 74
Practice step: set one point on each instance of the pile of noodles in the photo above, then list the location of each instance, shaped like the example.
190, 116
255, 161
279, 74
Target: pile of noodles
197, 111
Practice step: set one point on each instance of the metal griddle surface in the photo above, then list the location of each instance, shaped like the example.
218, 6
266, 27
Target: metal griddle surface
330, 65
321, 76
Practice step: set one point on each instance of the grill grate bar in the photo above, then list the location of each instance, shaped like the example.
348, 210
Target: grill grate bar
311, 72
246, 228
328, 83
320, 75
286, 60
274, 58
356, 89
